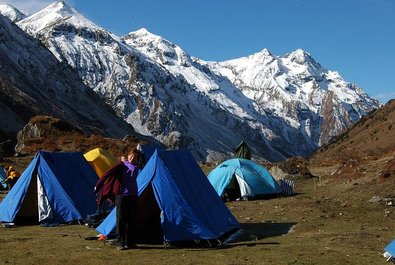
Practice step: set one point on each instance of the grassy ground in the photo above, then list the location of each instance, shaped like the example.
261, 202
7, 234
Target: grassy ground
324, 223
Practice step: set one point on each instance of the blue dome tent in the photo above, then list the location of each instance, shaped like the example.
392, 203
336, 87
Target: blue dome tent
244, 177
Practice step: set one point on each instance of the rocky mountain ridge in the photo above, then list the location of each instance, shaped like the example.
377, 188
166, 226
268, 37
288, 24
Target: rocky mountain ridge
281, 106
33, 81
364, 153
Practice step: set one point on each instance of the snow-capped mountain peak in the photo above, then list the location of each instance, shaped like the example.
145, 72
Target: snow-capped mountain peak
302, 64
264, 53
11, 12
144, 32
61, 7
261, 57
157, 48
299, 56
55, 14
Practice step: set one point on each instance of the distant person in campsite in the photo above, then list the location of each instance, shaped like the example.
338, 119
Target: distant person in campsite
12, 176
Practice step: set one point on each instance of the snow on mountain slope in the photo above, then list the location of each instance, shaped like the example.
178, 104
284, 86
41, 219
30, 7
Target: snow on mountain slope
95, 53
144, 93
11, 12
220, 91
298, 89
33, 82
282, 106
292, 88
179, 63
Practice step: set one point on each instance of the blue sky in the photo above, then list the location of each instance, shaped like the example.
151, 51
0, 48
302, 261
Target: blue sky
354, 37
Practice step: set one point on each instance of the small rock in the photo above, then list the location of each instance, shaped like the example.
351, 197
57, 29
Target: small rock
376, 199
389, 201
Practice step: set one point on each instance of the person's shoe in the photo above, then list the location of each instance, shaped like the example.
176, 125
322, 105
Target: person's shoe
121, 248
130, 246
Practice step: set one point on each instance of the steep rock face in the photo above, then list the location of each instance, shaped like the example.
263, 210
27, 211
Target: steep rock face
52, 134
39, 129
33, 82
281, 106
139, 91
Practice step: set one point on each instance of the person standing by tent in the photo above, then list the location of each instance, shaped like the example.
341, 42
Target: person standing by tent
126, 200
12, 176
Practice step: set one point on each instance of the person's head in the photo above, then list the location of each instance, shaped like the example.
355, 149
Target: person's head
134, 156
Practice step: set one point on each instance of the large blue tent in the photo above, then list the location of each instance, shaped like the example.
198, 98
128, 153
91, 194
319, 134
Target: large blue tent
251, 178
55, 188
188, 207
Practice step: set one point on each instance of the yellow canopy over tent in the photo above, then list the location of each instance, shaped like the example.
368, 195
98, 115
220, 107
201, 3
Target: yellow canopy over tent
101, 160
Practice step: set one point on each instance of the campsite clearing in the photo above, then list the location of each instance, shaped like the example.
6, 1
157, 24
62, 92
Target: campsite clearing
333, 223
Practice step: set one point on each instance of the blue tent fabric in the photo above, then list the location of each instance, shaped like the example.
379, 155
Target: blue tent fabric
390, 248
190, 208
68, 182
259, 180
2, 178
148, 150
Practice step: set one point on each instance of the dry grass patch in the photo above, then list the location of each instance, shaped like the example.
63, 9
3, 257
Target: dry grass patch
319, 225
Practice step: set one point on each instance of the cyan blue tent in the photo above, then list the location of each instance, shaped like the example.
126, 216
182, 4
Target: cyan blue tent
188, 207
2, 178
247, 177
55, 188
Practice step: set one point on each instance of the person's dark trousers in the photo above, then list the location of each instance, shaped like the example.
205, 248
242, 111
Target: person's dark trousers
126, 219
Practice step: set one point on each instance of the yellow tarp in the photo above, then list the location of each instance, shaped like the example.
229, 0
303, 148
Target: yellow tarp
101, 160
